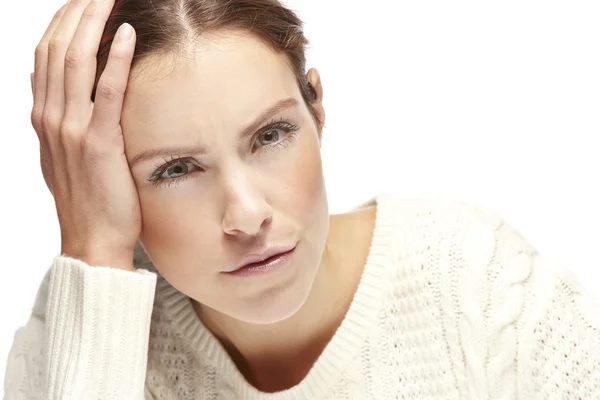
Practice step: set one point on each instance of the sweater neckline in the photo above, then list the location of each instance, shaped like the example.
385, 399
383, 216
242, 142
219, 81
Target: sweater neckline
343, 346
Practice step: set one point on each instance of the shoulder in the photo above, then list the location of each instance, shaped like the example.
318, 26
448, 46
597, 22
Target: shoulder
469, 255
443, 212
455, 225
481, 271
479, 280
472, 251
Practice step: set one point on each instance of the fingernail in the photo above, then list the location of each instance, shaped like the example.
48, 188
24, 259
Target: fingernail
125, 32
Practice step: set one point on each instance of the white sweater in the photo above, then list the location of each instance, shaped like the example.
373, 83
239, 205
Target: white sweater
453, 303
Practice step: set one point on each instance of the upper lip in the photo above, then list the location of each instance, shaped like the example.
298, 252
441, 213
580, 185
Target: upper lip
262, 255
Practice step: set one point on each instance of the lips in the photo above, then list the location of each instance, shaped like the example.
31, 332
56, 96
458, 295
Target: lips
263, 257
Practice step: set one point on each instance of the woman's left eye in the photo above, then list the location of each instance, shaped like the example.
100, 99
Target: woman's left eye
269, 137
276, 135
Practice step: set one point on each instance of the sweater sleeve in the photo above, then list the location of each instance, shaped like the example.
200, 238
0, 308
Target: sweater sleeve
87, 336
527, 329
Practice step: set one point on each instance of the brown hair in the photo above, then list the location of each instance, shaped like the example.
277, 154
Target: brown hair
167, 26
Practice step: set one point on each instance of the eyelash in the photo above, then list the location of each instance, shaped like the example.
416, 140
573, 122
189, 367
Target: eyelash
289, 128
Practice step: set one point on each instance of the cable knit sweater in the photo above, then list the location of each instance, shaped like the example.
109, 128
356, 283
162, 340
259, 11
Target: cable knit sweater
453, 303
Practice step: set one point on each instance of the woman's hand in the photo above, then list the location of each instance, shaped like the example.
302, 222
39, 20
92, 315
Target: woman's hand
82, 152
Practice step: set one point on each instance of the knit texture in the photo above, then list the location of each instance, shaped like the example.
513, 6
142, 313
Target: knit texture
453, 303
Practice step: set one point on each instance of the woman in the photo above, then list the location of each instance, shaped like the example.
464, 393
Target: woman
198, 256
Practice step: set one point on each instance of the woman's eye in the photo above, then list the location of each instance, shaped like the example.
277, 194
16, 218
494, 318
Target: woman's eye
277, 134
176, 170
269, 137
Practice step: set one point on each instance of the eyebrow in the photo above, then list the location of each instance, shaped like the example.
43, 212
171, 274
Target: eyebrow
188, 150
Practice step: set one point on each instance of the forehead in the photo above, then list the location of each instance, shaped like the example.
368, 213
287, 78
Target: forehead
229, 71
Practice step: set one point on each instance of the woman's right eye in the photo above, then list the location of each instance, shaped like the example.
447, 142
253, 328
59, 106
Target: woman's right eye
180, 168
173, 170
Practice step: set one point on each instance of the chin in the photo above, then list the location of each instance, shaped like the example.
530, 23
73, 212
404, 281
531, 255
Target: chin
277, 304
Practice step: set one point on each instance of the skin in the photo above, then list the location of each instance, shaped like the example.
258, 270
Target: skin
241, 193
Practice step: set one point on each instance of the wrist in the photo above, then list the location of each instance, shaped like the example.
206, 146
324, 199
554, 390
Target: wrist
118, 259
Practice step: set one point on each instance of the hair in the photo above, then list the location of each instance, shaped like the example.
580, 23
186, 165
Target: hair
171, 26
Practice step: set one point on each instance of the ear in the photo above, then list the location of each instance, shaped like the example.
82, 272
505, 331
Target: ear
315, 82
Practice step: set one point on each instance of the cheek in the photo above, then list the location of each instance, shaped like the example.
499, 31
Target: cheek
305, 195
174, 235
307, 172
162, 223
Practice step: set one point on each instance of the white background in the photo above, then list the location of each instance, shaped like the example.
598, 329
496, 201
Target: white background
495, 103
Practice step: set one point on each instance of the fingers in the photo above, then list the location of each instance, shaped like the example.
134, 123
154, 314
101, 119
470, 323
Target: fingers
80, 60
111, 87
41, 68
57, 48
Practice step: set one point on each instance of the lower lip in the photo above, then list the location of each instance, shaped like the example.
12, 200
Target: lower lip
268, 266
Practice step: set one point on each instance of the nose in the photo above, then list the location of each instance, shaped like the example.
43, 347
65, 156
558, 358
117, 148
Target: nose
246, 209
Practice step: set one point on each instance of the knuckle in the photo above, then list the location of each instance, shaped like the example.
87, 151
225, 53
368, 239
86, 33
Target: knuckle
56, 44
73, 58
36, 117
70, 140
71, 129
50, 121
36, 113
108, 90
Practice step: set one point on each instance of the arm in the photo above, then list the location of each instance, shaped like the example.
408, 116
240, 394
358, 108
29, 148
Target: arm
92, 341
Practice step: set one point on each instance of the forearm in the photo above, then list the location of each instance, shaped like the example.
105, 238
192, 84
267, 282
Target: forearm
97, 330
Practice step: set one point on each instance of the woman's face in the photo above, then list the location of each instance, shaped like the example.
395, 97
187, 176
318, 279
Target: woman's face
231, 166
